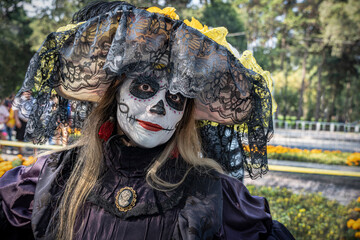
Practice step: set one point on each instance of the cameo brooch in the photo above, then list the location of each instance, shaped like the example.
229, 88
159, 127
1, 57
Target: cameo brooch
125, 199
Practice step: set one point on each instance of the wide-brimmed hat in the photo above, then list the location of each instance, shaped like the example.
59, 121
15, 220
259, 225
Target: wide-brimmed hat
78, 62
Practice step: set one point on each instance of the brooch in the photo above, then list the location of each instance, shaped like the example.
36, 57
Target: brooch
125, 199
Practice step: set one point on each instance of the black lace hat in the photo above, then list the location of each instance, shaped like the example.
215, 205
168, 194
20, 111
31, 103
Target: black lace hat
79, 61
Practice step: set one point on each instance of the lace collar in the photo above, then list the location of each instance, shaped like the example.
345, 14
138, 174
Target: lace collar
130, 161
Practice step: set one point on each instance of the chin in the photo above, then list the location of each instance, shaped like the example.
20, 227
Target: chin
148, 140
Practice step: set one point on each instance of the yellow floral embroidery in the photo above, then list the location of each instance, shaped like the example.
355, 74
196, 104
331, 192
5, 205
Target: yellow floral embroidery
237, 127
168, 11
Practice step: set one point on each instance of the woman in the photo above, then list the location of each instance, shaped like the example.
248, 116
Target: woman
10, 124
4, 116
138, 171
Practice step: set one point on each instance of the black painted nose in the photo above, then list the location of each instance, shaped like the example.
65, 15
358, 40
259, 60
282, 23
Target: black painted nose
158, 108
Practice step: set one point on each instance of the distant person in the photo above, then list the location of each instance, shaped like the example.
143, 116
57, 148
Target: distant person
10, 124
4, 115
21, 107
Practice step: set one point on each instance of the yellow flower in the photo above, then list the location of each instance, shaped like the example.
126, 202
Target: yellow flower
302, 210
194, 23
356, 225
357, 209
168, 11
357, 234
350, 223
217, 34
247, 148
353, 159
358, 200
315, 151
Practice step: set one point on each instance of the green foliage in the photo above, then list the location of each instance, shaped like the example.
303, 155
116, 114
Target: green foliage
220, 13
323, 157
14, 46
16, 162
341, 22
50, 19
286, 99
324, 33
266, 57
309, 215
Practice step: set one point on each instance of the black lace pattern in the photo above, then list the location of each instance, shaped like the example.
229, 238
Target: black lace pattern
77, 65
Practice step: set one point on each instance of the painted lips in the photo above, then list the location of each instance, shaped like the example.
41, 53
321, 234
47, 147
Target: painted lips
150, 126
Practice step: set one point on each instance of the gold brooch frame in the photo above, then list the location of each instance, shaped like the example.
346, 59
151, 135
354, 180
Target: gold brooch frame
125, 203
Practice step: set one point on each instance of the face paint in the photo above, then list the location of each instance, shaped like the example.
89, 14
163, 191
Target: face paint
147, 112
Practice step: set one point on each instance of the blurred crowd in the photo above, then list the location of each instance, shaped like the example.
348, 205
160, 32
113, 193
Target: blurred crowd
14, 117
12, 121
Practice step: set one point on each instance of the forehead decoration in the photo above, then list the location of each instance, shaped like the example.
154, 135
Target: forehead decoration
81, 60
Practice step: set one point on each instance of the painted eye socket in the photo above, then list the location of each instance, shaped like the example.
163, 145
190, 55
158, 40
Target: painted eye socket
144, 88
175, 98
176, 101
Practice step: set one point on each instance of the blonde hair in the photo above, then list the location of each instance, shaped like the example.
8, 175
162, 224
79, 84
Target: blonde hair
89, 163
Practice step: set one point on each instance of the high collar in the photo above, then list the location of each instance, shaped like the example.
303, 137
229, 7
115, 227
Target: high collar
130, 161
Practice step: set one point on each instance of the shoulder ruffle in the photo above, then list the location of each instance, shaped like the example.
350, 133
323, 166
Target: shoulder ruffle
17, 189
244, 216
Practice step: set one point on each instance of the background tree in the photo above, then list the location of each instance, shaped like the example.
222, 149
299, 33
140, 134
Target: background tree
219, 13
341, 23
321, 38
15, 48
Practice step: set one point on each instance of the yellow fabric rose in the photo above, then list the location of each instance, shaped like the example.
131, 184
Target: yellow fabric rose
217, 34
168, 11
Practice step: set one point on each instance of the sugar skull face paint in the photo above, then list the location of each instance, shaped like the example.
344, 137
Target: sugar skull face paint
147, 112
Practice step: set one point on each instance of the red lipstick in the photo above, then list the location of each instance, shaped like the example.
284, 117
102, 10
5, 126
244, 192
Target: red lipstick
150, 126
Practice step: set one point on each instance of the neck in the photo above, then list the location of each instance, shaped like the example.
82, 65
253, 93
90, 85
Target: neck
125, 140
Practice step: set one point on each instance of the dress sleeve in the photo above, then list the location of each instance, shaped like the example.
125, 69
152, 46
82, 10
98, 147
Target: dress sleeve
247, 217
17, 188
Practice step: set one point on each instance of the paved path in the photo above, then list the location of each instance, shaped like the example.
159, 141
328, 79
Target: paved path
339, 188
314, 165
346, 142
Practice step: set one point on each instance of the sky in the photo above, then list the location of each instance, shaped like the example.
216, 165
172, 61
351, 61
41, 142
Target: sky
36, 5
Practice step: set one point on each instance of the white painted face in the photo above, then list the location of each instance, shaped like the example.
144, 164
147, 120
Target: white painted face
147, 112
